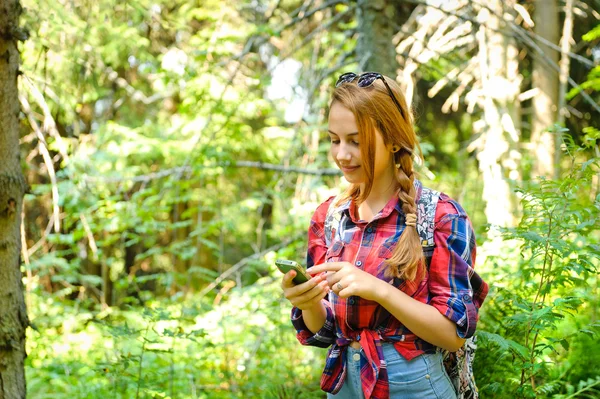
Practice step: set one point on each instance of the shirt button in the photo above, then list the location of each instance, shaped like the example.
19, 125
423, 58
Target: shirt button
369, 230
356, 357
351, 301
427, 376
359, 263
467, 297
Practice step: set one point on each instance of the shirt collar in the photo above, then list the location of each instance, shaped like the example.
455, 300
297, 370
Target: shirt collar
349, 207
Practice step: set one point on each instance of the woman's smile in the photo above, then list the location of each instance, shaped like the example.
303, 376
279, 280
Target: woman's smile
348, 169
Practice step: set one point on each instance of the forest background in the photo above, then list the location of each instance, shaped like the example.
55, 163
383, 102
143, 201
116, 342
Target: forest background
160, 155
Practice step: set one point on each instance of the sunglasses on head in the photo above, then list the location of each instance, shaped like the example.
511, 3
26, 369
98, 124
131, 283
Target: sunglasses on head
365, 80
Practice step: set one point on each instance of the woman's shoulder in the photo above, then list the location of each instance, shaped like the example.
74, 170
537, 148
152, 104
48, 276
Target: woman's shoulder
320, 213
449, 209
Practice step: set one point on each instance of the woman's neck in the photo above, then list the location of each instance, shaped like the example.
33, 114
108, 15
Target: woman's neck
381, 192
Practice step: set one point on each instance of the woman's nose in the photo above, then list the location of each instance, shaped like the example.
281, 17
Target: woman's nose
344, 153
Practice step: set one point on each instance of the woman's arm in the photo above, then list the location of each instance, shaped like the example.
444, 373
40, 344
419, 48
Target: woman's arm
421, 319
311, 315
315, 318
308, 297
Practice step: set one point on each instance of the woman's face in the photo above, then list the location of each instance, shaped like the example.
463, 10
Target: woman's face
345, 150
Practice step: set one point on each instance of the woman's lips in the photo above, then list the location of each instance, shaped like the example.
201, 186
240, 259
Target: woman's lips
349, 169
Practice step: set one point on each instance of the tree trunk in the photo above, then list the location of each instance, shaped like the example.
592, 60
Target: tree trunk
565, 46
13, 314
545, 79
498, 159
376, 25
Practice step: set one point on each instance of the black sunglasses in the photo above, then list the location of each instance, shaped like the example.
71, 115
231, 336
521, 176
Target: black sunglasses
365, 80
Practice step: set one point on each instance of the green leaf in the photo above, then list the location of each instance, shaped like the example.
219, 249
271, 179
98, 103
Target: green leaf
592, 35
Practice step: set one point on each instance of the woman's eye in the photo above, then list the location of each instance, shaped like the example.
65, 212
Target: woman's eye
337, 141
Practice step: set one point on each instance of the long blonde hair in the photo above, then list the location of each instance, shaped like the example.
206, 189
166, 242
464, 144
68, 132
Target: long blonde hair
374, 109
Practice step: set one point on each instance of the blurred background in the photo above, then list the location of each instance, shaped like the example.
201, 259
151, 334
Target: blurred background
175, 149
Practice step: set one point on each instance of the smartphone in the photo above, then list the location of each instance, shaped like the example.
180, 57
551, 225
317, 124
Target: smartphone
285, 266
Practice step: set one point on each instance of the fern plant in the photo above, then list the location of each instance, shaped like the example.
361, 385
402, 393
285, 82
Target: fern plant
558, 256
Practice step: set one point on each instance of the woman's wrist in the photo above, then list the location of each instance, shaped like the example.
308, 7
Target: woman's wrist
381, 291
315, 317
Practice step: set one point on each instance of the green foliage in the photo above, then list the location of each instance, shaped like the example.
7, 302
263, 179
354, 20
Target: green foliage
153, 103
589, 388
243, 347
543, 288
593, 79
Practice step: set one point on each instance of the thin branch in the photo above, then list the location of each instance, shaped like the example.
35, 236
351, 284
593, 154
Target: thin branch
238, 266
25, 256
140, 381
585, 388
47, 160
24, 253
524, 35
270, 15
212, 112
246, 50
556, 67
49, 124
90, 236
321, 27
300, 16
540, 38
188, 169
288, 169
42, 240
513, 25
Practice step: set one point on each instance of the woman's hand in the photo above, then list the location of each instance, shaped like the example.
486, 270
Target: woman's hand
305, 296
345, 279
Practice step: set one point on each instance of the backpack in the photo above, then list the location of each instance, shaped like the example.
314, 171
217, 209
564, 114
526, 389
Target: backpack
459, 364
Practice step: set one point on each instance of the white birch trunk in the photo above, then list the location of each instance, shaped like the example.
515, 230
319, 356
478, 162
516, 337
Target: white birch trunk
499, 127
545, 79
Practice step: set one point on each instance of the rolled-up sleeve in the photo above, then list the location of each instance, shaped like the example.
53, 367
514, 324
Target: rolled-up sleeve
317, 249
451, 271
322, 338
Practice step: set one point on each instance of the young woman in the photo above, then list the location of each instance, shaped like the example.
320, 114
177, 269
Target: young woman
385, 313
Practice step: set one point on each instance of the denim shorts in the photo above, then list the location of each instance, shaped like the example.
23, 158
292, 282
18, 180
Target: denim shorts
422, 377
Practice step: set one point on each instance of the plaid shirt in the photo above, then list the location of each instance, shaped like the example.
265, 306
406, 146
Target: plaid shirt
367, 245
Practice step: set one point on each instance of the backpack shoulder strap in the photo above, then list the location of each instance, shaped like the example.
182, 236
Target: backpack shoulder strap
331, 227
426, 201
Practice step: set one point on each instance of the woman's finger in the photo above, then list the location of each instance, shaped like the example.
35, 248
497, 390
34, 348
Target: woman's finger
286, 281
332, 278
326, 267
291, 290
314, 300
345, 292
309, 295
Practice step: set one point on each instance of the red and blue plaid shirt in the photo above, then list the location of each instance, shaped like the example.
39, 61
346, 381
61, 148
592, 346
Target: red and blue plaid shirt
367, 245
